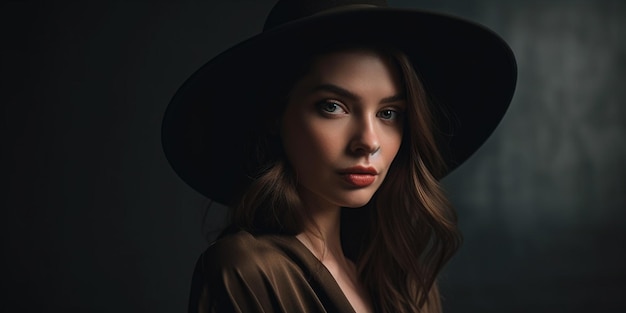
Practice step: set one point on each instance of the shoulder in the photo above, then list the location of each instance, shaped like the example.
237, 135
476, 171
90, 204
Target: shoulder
239, 273
245, 254
245, 273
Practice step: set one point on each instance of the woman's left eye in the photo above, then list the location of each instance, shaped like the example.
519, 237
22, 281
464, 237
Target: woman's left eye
388, 114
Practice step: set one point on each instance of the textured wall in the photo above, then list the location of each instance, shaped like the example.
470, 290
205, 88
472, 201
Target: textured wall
542, 204
94, 220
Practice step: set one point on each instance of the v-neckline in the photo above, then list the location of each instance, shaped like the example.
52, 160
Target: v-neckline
324, 276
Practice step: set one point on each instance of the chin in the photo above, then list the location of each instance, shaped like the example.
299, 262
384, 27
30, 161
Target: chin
354, 207
356, 201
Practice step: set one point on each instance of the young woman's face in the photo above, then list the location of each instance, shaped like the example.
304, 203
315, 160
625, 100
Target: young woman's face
342, 127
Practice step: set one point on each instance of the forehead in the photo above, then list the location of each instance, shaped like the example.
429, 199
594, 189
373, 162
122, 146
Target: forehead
359, 70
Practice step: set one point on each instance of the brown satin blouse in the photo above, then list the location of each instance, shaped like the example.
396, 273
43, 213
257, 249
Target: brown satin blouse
268, 273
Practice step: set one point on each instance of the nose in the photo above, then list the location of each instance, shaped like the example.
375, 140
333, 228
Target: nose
365, 140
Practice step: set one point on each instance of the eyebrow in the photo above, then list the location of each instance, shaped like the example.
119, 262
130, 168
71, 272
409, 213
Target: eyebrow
347, 94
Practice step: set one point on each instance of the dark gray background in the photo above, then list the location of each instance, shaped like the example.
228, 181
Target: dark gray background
94, 220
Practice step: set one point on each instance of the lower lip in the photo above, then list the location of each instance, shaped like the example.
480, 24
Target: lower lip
359, 180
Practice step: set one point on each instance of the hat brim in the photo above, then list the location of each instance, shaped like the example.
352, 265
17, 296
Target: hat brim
466, 68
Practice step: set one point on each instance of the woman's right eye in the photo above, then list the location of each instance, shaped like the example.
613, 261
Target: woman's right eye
330, 107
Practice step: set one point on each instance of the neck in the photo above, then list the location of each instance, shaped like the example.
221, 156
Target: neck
322, 232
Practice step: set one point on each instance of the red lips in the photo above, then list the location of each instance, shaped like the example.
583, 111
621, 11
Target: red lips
359, 176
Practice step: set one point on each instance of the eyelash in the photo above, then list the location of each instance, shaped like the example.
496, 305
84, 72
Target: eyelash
396, 114
323, 106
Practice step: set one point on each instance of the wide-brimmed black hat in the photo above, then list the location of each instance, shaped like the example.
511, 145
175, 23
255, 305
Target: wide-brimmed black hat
466, 68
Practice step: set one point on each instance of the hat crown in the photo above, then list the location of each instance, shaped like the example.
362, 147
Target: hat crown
285, 11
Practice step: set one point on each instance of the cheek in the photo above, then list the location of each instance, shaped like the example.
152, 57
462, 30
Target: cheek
309, 143
396, 142
391, 144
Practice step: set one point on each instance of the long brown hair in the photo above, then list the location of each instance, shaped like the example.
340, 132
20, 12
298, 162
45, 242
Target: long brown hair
412, 229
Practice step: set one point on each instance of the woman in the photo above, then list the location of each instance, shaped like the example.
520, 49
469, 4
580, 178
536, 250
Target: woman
329, 146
